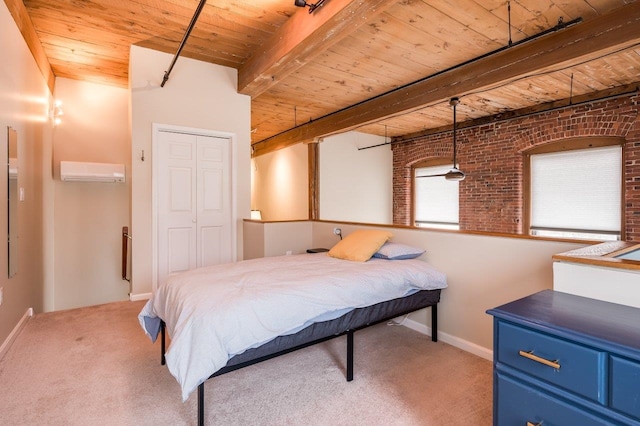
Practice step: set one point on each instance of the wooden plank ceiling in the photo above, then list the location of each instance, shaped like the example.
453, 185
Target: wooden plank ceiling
351, 64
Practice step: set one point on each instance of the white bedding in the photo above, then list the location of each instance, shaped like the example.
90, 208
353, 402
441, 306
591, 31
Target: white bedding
216, 312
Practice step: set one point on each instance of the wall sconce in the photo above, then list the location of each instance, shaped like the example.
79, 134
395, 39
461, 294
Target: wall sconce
56, 113
312, 6
256, 215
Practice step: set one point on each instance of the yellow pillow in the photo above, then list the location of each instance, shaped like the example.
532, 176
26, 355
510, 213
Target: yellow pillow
360, 245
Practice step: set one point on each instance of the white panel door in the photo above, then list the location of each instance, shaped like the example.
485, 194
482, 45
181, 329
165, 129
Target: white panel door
213, 201
194, 206
177, 220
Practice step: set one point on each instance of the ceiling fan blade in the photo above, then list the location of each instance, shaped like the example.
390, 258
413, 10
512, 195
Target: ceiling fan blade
453, 175
427, 176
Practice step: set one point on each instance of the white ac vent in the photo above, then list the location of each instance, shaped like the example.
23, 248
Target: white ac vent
75, 171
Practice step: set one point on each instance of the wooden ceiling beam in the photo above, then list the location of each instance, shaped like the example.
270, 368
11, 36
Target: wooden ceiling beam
583, 41
301, 38
23, 22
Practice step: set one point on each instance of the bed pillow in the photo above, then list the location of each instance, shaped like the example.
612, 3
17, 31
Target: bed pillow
397, 251
360, 245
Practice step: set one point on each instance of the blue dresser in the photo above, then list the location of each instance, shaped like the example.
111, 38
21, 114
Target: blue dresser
561, 359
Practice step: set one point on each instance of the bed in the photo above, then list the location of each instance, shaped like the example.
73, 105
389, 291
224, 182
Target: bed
225, 317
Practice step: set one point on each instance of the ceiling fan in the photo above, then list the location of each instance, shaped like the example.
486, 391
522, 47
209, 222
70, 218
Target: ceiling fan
454, 174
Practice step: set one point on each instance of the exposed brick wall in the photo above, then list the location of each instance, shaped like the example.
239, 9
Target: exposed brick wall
491, 196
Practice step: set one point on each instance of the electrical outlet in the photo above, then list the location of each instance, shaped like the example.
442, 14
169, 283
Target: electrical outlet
289, 253
337, 231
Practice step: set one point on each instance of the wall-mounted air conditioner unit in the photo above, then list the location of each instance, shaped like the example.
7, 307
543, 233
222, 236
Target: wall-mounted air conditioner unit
74, 171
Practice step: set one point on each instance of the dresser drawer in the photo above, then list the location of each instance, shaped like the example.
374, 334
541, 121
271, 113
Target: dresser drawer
625, 386
576, 368
519, 404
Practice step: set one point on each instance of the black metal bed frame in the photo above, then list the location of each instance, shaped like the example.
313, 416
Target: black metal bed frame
349, 333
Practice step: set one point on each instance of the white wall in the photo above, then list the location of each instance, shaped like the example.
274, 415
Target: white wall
24, 104
88, 217
280, 184
264, 239
611, 284
482, 272
197, 95
356, 185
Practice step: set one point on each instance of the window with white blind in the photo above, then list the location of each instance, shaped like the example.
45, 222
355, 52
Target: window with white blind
577, 193
435, 198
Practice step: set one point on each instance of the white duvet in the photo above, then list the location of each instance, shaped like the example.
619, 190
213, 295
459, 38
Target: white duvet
216, 312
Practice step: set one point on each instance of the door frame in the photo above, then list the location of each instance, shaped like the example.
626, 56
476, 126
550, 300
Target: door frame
156, 128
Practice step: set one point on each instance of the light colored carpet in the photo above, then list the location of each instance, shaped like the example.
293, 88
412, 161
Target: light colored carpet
95, 366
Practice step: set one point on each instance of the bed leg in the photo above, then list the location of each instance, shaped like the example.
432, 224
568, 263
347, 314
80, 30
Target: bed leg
201, 404
434, 323
162, 343
349, 355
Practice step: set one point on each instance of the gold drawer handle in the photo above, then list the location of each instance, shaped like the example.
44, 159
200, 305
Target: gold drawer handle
534, 424
531, 356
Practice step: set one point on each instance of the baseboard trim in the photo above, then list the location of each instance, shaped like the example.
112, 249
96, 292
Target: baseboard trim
14, 333
451, 340
141, 296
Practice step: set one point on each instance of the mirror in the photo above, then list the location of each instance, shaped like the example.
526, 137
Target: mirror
12, 190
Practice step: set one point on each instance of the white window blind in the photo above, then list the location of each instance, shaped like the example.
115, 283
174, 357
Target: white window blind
436, 199
578, 190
